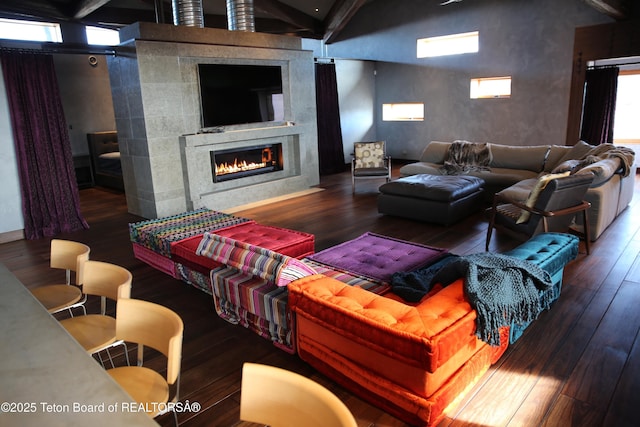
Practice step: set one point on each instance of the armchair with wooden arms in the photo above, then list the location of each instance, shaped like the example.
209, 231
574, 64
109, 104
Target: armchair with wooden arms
370, 160
551, 206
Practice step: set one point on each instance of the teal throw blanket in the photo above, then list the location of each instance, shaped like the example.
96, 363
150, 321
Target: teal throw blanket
501, 289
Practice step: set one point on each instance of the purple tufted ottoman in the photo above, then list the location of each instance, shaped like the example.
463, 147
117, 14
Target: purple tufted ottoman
377, 257
442, 199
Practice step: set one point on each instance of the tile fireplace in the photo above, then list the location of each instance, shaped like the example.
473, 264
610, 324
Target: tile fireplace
243, 162
166, 154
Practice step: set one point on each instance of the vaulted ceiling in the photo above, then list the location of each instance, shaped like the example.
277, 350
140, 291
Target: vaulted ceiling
319, 19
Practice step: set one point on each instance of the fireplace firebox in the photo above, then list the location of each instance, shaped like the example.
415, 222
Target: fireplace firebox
247, 161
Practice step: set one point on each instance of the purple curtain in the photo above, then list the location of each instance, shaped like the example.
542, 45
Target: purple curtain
330, 151
599, 105
50, 201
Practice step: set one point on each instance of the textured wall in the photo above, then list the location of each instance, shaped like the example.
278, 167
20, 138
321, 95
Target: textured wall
356, 89
86, 97
530, 40
10, 197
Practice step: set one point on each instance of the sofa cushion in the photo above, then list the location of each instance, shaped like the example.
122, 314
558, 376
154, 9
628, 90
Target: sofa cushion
287, 242
519, 157
426, 336
435, 152
377, 257
577, 151
158, 234
554, 158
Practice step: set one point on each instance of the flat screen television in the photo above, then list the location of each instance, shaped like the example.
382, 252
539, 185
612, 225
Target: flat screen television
232, 94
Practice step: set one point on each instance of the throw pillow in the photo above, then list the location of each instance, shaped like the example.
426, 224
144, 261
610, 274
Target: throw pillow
570, 166
541, 184
578, 151
293, 269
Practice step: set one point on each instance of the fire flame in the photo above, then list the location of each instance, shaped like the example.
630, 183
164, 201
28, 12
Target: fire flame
226, 168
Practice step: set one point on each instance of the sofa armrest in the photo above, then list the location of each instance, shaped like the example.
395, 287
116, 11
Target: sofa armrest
602, 170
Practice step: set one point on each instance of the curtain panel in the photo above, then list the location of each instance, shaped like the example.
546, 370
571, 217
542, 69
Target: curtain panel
50, 200
330, 149
599, 108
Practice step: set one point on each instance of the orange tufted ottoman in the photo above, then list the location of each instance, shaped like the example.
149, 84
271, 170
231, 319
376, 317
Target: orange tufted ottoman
412, 361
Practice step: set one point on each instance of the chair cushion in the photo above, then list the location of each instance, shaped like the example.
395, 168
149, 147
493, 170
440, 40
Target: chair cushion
371, 172
535, 192
369, 154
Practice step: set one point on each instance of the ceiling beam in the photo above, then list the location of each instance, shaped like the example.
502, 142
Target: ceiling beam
29, 9
618, 9
88, 6
338, 17
288, 14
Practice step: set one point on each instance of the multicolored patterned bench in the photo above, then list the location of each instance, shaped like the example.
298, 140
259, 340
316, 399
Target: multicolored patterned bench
152, 239
251, 290
169, 244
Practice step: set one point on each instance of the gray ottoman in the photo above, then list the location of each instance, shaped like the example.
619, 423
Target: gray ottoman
442, 199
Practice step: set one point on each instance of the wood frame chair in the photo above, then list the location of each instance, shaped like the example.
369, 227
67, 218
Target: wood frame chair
282, 398
155, 326
69, 256
369, 160
97, 332
553, 209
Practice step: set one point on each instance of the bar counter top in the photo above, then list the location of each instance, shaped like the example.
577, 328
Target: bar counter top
46, 377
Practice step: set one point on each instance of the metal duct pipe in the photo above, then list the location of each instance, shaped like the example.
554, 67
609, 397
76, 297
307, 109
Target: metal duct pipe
240, 15
188, 12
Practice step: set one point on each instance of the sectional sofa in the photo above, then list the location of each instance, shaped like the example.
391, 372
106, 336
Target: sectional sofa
336, 308
414, 360
517, 168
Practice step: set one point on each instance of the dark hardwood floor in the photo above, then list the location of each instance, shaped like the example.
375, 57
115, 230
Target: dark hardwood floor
578, 364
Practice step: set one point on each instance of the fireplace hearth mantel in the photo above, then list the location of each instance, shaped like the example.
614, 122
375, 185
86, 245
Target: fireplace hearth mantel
166, 162
202, 191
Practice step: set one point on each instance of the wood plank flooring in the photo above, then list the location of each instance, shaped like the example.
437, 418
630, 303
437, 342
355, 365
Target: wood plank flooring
578, 364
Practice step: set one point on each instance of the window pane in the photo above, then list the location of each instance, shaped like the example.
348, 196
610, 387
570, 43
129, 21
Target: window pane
448, 45
29, 30
491, 87
625, 124
413, 111
102, 36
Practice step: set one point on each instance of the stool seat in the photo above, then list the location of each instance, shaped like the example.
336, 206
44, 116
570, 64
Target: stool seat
443, 199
